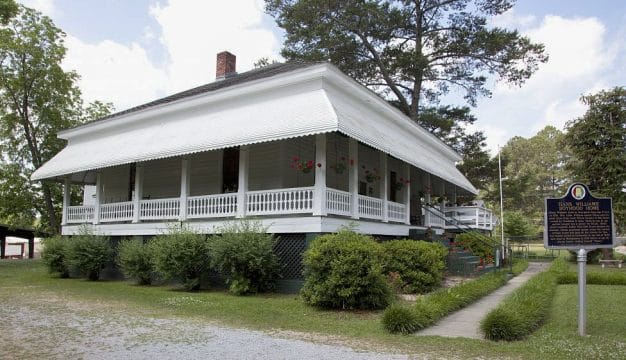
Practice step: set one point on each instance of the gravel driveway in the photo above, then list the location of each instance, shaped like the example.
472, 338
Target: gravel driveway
58, 328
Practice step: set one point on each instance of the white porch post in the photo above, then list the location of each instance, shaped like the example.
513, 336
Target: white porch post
66, 200
353, 177
242, 186
184, 188
427, 200
319, 195
96, 207
407, 193
384, 185
138, 193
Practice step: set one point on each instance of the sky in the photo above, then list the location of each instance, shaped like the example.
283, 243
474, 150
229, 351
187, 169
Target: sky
131, 52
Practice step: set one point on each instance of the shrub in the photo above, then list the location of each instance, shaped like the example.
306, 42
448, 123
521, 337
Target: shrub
133, 258
181, 255
483, 248
398, 319
243, 253
344, 271
53, 256
594, 278
88, 253
519, 266
419, 264
525, 309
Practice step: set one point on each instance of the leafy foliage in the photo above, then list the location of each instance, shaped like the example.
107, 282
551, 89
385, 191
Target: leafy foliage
478, 245
597, 141
135, 261
53, 255
37, 99
419, 264
181, 255
344, 271
525, 309
88, 253
594, 278
244, 253
398, 319
515, 224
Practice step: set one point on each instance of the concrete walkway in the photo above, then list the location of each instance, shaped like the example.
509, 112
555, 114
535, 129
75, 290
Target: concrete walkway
466, 322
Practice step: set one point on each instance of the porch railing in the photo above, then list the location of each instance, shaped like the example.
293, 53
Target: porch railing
121, 211
431, 219
206, 206
160, 209
281, 201
79, 214
473, 216
338, 202
396, 211
371, 208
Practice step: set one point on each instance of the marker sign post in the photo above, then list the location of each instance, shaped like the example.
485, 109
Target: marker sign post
581, 222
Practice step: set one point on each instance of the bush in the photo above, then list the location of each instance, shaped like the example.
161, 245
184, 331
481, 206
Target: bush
181, 255
344, 271
53, 256
398, 319
594, 278
519, 266
133, 258
593, 256
483, 248
419, 264
88, 253
525, 309
243, 253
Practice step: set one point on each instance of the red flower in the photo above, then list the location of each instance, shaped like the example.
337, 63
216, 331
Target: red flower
351, 162
295, 158
309, 164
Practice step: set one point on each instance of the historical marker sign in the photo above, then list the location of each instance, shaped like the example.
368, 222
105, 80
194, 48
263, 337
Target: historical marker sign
579, 220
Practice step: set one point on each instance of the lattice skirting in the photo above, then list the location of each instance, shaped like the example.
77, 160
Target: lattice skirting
289, 248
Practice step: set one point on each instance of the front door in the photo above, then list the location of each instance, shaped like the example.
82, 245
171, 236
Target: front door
230, 170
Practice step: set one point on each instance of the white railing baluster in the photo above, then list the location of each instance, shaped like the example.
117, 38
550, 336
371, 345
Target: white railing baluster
207, 206
280, 201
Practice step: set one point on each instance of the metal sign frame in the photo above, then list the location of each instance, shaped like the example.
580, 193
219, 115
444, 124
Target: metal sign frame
587, 196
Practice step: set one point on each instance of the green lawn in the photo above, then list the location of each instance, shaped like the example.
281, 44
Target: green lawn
606, 322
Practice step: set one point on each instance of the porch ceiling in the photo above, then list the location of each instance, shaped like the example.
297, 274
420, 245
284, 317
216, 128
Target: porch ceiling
339, 104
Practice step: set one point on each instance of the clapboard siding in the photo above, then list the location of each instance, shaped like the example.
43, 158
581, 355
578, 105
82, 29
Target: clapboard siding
304, 149
205, 171
162, 178
115, 183
369, 162
264, 169
337, 153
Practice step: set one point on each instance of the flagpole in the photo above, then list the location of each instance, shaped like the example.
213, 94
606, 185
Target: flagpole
501, 206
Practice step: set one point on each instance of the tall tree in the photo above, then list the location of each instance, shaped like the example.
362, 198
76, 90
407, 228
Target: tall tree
597, 141
409, 50
37, 99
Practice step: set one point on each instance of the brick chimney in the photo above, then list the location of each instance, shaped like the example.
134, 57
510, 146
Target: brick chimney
225, 65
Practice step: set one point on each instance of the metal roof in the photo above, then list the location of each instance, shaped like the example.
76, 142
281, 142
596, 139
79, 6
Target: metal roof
289, 103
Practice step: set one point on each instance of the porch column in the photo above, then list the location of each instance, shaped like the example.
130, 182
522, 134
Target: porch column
96, 206
407, 193
3, 241
353, 177
138, 193
319, 195
427, 200
454, 203
384, 185
184, 188
66, 201
242, 186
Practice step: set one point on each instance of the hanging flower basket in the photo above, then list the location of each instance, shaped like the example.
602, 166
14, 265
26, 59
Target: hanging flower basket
305, 166
400, 184
371, 176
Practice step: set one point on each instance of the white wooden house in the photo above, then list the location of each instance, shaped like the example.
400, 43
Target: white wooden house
300, 146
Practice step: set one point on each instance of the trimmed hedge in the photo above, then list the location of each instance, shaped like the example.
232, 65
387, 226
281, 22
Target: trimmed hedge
594, 278
524, 310
344, 271
418, 264
135, 261
243, 253
181, 255
54, 256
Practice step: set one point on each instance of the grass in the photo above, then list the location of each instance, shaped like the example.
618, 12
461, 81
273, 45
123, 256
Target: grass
556, 339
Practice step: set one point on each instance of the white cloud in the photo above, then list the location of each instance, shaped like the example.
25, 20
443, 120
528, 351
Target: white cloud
114, 72
194, 34
580, 63
47, 7
511, 19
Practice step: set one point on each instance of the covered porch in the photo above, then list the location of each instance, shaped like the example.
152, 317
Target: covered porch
318, 182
